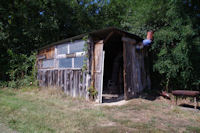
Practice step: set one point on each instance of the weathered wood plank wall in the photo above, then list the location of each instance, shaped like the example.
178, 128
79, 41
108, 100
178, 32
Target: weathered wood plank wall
71, 81
136, 76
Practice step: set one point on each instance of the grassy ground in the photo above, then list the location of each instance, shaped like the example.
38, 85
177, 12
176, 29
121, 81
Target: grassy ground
35, 111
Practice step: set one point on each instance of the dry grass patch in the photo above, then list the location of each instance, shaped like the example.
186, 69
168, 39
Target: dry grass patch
50, 110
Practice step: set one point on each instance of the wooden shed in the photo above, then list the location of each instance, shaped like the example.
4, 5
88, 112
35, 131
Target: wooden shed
90, 65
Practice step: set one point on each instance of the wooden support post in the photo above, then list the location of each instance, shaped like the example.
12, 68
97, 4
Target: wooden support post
124, 72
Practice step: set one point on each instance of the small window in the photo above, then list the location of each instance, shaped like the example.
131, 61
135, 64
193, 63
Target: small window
79, 62
76, 46
71, 48
65, 63
48, 63
62, 49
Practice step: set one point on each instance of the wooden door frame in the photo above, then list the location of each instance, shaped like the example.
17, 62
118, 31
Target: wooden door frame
98, 70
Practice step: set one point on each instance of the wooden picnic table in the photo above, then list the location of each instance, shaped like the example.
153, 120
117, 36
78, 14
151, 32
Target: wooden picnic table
187, 93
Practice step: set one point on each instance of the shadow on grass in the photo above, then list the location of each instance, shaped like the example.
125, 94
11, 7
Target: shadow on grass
148, 94
189, 106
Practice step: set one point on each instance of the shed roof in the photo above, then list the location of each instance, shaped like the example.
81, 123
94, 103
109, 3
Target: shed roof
101, 34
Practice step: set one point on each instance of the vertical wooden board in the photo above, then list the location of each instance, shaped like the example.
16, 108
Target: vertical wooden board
102, 73
46, 78
41, 73
98, 68
76, 83
65, 81
71, 83
58, 79
79, 86
56, 74
77, 89
61, 79
135, 78
124, 72
83, 84
51, 79
43, 78
63, 76
130, 71
138, 70
68, 82
79, 83
142, 68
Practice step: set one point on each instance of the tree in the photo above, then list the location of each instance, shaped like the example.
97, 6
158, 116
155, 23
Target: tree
174, 24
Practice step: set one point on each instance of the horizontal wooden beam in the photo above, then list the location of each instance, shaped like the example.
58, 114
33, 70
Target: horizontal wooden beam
108, 37
77, 54
41, 57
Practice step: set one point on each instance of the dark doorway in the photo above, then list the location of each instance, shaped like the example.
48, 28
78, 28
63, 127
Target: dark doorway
113, 83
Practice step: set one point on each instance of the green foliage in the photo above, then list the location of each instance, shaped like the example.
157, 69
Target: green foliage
85, 67
173, 39
26, 26
92, 92
21, 70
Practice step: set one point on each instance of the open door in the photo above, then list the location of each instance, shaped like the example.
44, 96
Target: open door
98, 69
131, 82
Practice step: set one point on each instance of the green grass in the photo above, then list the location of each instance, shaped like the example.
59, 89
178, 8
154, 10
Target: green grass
50, 111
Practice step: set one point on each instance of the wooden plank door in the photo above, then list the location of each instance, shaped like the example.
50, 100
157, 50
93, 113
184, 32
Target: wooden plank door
130, 68
98, 69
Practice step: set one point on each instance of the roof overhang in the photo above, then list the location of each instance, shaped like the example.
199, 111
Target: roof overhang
100, 34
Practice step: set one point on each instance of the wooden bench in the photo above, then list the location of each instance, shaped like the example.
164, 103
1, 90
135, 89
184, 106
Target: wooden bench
187, 93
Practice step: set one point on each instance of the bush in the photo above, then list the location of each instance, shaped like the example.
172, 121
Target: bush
22, 71
3, 84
